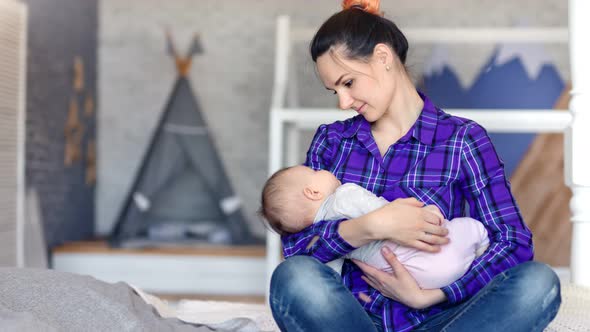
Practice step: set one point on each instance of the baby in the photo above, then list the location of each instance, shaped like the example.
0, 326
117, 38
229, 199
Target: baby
295, 197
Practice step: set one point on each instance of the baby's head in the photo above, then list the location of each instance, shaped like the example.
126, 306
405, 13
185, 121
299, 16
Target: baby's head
292, 196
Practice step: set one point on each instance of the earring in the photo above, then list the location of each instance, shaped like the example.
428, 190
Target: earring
387, 68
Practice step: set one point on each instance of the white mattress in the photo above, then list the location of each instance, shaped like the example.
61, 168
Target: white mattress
573, 315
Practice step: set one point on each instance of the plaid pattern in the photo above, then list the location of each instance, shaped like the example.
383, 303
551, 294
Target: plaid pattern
443, 160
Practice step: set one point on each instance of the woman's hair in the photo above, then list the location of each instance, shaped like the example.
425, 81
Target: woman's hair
359, 27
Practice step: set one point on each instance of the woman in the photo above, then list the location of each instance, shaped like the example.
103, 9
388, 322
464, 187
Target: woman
405, 149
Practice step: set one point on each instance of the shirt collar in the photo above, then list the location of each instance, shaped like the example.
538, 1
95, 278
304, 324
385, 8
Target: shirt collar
357, 122
423, 129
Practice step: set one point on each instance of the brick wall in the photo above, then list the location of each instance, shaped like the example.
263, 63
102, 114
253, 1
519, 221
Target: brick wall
59, 30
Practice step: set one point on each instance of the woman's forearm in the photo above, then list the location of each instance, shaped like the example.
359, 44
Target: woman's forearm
430, 298
373, 226
357, 232
402, 221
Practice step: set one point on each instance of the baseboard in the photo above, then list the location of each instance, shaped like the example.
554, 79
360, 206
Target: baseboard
233, 271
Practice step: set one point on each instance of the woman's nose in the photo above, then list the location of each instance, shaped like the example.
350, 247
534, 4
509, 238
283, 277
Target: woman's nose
345, 101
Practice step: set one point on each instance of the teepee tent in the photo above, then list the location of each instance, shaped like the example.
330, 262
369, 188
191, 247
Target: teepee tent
181, 194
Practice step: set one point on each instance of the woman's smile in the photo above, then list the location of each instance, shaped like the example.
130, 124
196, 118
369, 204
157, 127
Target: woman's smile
361, 108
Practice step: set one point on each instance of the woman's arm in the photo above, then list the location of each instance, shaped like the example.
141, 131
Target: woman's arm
399, 285
322, 239
353, 201
402, 221
490, 201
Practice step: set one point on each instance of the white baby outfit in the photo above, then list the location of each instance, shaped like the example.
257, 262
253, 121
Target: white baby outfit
468, 240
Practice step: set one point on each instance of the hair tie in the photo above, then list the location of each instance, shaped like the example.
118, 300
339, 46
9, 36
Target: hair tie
369, 6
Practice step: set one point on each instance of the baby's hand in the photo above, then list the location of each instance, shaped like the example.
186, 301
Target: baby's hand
435, 210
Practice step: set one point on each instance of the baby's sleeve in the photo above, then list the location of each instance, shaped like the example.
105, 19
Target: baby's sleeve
353, 201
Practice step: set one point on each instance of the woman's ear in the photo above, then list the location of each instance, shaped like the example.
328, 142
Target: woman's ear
383, 55
312, 194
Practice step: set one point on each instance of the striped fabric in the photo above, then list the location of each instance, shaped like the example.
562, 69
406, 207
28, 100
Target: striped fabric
443, 160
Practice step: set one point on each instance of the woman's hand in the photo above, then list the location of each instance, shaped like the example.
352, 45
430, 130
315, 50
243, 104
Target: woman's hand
434, 210
405, 222
399, 285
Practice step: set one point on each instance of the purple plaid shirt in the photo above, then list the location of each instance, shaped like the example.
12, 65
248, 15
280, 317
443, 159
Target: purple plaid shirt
443, 160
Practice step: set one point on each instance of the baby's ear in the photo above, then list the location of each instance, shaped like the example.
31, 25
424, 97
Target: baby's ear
312, 194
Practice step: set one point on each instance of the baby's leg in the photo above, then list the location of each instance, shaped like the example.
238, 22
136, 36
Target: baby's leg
470, 233
479, 251
467, 237
371, 254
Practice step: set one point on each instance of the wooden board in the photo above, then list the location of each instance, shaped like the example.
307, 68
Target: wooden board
539, 188
209, 250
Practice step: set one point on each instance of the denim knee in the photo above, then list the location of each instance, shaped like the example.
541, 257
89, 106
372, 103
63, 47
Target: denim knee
292, 269
537, 283
302, 277
307, 295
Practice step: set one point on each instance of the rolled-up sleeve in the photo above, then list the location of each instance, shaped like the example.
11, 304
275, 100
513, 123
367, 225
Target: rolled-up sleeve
320, 240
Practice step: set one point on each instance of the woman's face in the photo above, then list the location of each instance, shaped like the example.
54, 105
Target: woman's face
366, 87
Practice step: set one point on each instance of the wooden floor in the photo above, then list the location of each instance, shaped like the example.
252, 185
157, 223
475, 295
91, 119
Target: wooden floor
204, 250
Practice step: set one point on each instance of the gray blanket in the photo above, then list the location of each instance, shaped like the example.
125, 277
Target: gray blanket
47, 300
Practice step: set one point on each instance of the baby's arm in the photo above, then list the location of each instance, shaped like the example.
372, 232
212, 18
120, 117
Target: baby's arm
353, 201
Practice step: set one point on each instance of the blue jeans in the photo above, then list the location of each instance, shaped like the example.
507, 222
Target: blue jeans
306, 295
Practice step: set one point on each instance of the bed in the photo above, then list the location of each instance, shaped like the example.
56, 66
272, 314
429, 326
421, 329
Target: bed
48, 300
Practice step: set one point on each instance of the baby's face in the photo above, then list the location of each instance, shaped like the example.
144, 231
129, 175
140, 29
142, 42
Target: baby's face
323, 180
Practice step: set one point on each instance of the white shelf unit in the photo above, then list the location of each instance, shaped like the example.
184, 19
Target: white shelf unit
287, 118
170, 273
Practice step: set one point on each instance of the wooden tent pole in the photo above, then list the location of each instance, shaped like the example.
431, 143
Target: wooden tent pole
183, 64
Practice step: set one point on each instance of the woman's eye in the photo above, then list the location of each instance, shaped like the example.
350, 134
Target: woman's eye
348, 83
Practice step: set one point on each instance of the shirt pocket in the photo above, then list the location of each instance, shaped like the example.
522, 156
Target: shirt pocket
438, 194
424, 179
